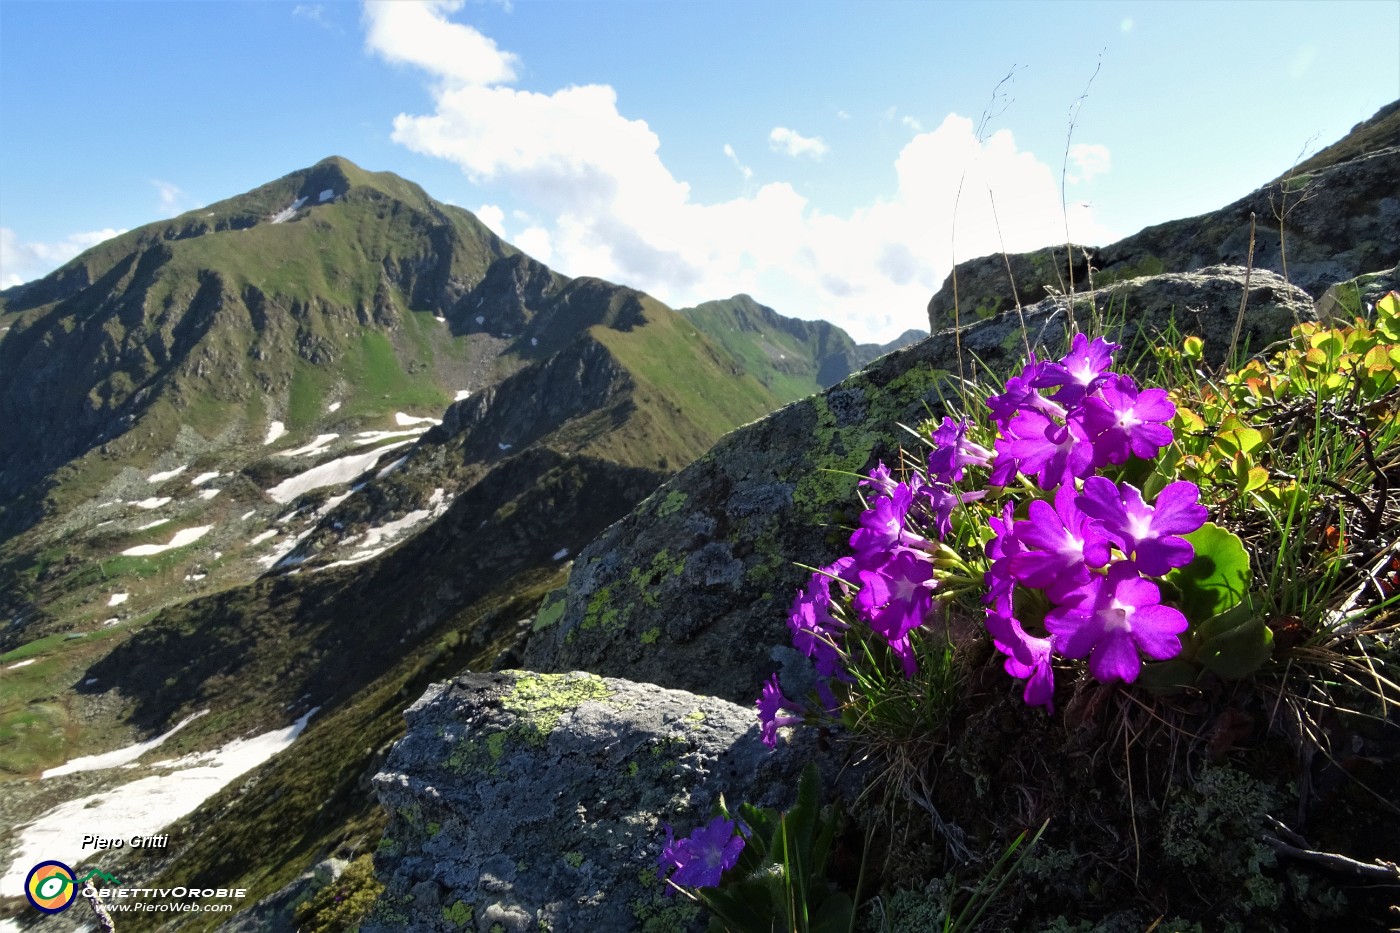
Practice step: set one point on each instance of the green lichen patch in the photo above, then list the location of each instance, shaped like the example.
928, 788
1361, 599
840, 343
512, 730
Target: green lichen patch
459, 913
673, 503
540, 700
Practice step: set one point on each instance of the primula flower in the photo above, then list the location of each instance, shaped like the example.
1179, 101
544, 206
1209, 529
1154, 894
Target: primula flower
882, 527
880, 482
1053, 453
702, 857
1019, 395
1060, 546
952, 452
769, 702
1147, 535
897, 596
1122, 420
1027, 657
1079, 371
1113, 619
815, 631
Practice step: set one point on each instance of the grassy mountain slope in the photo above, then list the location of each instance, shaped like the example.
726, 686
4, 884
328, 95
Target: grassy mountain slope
791, 357
176, 353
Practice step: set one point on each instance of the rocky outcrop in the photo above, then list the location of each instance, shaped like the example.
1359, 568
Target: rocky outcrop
523, 802
1330, 220
692, 588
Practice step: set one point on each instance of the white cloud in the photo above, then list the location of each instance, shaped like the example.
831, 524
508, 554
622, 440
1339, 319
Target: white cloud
22, 262
493, 217
171, 197
420, 34
794, 143
593, 197
733, 157
913, 124
1126, 25
1087, 160
315, 13
843, 115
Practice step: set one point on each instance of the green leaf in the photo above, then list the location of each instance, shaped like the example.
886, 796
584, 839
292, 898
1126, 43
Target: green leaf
1235, 644
1167, 677
1218, 577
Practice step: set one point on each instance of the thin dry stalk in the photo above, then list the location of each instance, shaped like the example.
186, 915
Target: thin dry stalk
1064, 176
1015, 295
1244, 298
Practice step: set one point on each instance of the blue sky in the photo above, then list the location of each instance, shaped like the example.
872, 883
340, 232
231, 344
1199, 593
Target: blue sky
811, 154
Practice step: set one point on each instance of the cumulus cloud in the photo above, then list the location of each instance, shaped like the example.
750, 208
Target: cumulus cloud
795, 144
23, 261
171, 197
596, 199
492, 216
1087, 160
420, 34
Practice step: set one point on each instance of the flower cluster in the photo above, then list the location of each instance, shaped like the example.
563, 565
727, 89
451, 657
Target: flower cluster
701, 858
1070, 578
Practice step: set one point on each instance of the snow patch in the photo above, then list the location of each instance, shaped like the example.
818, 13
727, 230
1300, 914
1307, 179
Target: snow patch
182, 538
318, 446
118, 598
390, 468
203, 478
246, 515
326, 195
154, 524
534, 341
274, 430
270, 533
152, 503
439, 318
331, 503
168, 474
209, 493
504, 446
562, 553
141, 807
282, 217
195, 577
479, 318
24, 663
404, 421
333, 406
462, 394
373, 437
333, 473
119, 757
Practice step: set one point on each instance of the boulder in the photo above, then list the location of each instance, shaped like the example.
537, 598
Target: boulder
1329, 219
521, 801
691, 589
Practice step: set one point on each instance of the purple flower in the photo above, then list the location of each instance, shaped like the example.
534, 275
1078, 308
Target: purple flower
1147, 535
1113, 619
1122, 420
1019, 395
879, 481
769, 702
1027, 657
702, 857
815, 631
897, 596
882, 527
952, 452
1051, 452
1078, 371
1060, 546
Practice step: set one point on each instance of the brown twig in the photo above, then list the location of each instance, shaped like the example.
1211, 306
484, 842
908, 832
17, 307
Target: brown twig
1385, 872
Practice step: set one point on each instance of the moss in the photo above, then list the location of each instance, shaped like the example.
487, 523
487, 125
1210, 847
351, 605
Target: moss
657, 915
550, 613
673, 503
573, 859
650, 636
459, 913
343, 903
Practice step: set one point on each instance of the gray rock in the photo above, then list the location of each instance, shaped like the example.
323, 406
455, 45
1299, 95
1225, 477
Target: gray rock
691, 589
1332, 218
521, 801
276, 913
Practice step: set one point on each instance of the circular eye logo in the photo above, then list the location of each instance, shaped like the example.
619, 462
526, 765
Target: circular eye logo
50, 887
